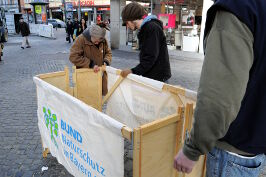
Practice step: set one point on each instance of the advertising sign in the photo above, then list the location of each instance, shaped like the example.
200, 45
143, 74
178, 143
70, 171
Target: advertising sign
38, 9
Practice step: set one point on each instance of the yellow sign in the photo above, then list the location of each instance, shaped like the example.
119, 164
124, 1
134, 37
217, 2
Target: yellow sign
38, 9
86, 13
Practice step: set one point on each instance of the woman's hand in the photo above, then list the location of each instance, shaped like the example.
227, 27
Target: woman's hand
96, 68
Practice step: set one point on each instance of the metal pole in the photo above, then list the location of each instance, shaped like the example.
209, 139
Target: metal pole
151, 7
64, 12
79, 12
95, 15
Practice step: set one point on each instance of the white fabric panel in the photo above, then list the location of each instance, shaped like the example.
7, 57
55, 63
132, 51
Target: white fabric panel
138, 100
85, 141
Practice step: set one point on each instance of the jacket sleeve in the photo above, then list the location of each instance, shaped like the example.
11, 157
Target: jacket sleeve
76, 55
28, 26
108, 54
19, 28
149, 52
224, 77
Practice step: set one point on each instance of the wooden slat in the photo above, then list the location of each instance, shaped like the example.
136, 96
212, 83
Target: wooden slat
74, 80
179, 137
149, 127
45, 152
188, 118
67, 85
180, 124
204, 167
177, 99
127, 133
111, 91
54, 74
174, 89
136, 153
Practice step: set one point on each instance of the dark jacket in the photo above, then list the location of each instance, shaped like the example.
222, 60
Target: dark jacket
154, 58
76, 25
247, 132
69, 28
23, 27
81, 29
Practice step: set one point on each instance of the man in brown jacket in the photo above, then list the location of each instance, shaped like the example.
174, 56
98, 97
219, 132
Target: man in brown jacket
91, 50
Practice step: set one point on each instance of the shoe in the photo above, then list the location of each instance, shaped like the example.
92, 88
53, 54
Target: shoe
22, 47
28, 46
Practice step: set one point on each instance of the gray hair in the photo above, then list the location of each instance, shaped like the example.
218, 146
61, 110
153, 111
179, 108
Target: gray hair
97, 31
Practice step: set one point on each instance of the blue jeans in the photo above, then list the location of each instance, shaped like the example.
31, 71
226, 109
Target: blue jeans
223, 164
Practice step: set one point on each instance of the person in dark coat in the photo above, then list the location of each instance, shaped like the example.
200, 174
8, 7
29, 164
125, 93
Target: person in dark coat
154, 58
75, 28
69, 30
24, 29
2, 31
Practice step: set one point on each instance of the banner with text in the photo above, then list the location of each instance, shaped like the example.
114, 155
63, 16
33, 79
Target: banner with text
85, 141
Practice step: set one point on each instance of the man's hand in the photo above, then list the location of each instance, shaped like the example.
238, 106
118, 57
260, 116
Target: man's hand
126, 72
182, 163
96, 68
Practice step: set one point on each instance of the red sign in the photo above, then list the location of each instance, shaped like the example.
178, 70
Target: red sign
173, 2
84, 3
104, 9
180, 1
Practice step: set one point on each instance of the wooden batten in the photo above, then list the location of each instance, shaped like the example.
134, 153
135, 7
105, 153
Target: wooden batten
137, 153
174, 89
188, 118
179, 137
127, 133
49, 75
58, 79
111, 91
45, 152
74, 80
157, 124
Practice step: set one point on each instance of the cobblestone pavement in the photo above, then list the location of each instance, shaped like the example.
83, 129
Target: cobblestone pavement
20, 149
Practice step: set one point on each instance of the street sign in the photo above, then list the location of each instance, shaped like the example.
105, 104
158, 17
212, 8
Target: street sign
38, 9
69, 7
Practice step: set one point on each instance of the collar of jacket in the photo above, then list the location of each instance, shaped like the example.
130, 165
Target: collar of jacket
147, 19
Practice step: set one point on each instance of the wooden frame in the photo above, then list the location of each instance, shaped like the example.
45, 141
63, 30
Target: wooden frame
88, 86
154, 144
58, 79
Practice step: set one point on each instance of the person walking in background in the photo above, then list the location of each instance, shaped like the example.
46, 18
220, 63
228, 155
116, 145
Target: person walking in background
75, 28
24, 29
91, 50
69, 30
230, 114
2, 31
153, 56
82, 26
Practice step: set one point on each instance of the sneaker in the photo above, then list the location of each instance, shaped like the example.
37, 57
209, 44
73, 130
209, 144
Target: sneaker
22, 47
28, 46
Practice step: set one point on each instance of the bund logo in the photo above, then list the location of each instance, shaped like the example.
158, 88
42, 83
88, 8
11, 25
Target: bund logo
51, 123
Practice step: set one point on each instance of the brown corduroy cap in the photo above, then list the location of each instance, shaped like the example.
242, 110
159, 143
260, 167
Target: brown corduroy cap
131, 12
